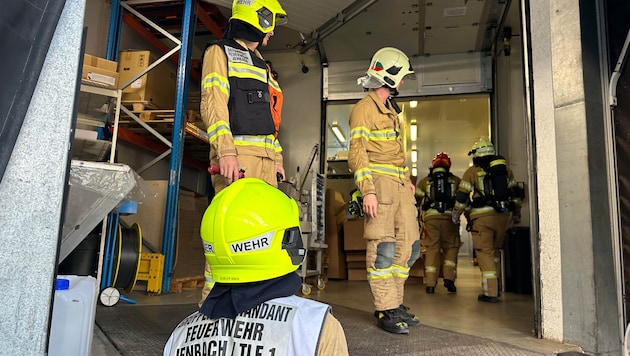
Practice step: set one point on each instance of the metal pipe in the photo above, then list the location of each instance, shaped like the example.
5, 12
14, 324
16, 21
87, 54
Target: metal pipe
335, 23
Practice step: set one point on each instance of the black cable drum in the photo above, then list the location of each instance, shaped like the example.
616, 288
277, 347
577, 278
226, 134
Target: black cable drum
127, 256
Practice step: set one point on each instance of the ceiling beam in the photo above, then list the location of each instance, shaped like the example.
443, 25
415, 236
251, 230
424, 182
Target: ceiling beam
335, 23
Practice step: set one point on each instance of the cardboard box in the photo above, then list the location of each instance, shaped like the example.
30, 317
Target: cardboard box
353, 235
100, 72
417, 270
354, 256
190, 258
335, 217
356, 265
150, 216
155, 89
357, 274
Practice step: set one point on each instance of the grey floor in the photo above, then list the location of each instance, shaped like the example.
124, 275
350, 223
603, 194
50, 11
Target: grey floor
511, 321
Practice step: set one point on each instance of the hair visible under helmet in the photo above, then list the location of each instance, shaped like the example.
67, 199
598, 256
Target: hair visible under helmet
388, 67
251, 233
441, 160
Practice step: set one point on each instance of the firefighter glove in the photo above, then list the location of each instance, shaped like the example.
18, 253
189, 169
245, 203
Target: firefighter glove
455, 215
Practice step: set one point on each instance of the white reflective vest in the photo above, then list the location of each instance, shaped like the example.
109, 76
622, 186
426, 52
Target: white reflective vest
281, 326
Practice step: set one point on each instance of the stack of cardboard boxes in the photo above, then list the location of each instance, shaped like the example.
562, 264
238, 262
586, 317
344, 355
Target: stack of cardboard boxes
335, 255
99, 72
153, 90
345, 255
190, 258
354, 245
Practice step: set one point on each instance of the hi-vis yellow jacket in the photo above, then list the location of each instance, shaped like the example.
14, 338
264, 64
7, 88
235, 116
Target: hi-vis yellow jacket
216, 92
375, 143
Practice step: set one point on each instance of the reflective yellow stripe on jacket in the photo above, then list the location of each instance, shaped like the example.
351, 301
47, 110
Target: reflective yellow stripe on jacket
389, 169
215, 79
267, 142
373, 135
242, 70
382, 135
274, 84
219, 128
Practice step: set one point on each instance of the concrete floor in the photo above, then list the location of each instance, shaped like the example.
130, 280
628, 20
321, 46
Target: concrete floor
511, 321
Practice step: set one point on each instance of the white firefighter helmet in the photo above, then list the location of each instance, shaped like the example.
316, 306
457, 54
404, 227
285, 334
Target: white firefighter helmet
388, 67
482, 147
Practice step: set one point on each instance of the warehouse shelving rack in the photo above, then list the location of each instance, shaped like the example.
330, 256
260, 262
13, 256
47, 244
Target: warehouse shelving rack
184, 46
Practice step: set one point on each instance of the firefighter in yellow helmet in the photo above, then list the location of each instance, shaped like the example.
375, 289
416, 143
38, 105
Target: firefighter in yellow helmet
495, 197
381, 174
254, 252
440, 235
241, 101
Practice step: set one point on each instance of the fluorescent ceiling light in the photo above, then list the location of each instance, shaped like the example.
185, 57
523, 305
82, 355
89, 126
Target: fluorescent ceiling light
413, 104
414, 172
337, 131
414, 156
413, 131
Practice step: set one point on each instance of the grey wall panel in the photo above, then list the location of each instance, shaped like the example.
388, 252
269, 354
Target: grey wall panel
27, 28
31, 194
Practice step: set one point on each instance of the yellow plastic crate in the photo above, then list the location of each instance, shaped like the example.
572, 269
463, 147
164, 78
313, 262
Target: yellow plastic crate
150, 270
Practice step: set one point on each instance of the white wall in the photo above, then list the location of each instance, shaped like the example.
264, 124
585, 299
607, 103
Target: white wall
301, 112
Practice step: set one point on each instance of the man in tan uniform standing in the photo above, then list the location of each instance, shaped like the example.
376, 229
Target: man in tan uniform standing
377, 158
495, 197
441, 237
241, 102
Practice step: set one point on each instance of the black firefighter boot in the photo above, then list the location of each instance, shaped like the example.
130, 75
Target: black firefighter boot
450, 286
487, 299
391, 321
407, 317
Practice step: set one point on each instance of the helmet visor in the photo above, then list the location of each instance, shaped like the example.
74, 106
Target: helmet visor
281, 19
268, 20
411, 75
292, 242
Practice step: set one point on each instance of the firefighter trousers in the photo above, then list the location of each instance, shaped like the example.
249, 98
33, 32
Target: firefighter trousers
442, 244
488, 234
393, 243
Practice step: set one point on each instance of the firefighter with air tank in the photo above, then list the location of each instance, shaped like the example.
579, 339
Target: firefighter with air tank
440, 236
493, 195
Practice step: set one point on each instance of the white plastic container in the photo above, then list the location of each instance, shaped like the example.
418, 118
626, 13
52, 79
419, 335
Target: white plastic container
74, 310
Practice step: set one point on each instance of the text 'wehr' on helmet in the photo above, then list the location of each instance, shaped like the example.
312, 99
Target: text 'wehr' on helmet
441, 160
482, 147
389, 66
251, 233
265, 15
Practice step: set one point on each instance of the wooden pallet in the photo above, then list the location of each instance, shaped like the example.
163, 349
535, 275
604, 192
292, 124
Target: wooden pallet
139, 105
196, 144
182, 284
151, 116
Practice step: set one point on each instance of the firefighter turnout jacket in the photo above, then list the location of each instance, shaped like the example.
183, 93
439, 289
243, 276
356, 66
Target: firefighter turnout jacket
377, 159
375, 144
474, 181
437, 193
235, 102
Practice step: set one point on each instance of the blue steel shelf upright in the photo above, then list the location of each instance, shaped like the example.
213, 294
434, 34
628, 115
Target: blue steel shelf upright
184, 45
